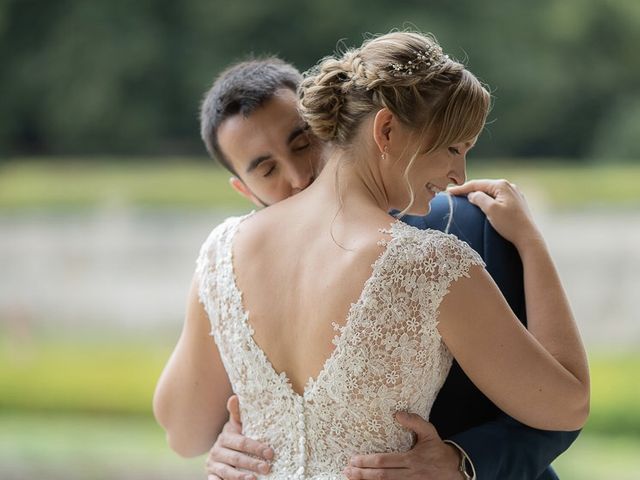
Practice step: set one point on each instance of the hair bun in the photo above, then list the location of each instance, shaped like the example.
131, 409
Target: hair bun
406, 72
323, 94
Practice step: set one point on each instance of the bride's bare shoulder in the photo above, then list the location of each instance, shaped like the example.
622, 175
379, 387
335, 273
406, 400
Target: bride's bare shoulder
258, 230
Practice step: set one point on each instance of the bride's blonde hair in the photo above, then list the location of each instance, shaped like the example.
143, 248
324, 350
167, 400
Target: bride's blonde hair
405, 72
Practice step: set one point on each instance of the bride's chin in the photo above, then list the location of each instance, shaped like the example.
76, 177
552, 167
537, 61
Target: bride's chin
419, 210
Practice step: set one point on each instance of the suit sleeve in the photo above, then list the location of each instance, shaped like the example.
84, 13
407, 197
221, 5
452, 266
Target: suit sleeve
506, 449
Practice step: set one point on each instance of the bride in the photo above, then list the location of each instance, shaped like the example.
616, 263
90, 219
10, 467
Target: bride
330, 317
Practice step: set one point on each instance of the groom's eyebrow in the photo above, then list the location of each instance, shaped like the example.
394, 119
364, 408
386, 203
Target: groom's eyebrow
296, 132
255, 163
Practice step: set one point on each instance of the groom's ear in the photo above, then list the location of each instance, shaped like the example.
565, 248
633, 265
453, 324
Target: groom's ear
382, 128
240, 187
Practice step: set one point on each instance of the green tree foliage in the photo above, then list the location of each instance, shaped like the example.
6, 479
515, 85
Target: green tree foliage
113, 76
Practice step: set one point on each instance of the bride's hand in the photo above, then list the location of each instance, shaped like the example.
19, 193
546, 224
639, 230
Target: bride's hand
505, 208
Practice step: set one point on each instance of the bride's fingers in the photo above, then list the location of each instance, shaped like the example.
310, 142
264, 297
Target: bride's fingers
482, 200
488, 186
485, 185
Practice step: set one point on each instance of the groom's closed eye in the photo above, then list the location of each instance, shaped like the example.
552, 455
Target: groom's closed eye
257, 162
269, 169
299, 138
302, 144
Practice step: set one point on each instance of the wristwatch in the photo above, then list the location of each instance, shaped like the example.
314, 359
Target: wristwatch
465, 467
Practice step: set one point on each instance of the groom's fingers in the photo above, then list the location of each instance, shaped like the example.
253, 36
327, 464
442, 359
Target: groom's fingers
424, 429
250, 446
379, 460
225, 472
240, 460
354, 473
240, 443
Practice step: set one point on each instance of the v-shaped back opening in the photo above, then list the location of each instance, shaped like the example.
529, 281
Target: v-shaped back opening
344, 328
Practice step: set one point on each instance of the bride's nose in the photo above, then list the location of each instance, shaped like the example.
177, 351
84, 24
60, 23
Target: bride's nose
458, 176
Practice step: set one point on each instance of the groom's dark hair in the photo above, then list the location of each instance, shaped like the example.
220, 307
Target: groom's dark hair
241, 89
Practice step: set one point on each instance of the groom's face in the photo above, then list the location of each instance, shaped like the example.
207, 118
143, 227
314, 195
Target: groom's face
271, 150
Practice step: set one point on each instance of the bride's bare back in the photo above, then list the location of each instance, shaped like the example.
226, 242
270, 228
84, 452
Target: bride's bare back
298, 282
388, 354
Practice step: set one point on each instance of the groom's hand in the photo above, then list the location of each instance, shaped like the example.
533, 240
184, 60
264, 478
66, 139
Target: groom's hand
233, 451
429, 459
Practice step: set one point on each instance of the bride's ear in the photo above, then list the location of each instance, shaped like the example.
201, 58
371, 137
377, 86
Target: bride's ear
382, 124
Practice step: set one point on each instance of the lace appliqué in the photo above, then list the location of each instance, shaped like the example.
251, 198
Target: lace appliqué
388, 356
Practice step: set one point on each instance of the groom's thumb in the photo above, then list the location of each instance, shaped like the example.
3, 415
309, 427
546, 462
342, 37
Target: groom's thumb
233, 407
423, 429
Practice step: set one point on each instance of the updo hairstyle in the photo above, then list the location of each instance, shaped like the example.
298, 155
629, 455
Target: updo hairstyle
405, 72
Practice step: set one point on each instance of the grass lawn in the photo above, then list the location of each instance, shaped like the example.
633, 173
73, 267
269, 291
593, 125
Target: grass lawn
100, 448
118, 378
74, 183
85, 447
85, 409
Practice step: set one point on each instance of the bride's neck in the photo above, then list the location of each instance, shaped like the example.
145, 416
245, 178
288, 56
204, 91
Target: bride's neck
353, 185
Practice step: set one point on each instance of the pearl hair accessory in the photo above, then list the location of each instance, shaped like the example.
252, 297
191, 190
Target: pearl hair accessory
432, 57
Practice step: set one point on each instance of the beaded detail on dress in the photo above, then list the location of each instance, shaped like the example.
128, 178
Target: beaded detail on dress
388, 355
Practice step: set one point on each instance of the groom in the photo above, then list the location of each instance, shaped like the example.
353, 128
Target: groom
250, 124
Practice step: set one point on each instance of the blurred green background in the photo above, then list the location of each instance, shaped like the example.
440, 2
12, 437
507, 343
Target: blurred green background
106, 194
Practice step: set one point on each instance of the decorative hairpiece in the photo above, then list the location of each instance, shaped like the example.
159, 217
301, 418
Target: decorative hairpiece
431, 57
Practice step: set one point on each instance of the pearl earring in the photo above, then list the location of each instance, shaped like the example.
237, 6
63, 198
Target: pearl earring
383, 155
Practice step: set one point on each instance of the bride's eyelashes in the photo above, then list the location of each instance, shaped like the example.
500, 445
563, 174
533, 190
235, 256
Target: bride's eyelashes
454, 151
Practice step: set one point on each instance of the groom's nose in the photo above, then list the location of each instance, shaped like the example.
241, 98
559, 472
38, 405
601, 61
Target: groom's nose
300, 177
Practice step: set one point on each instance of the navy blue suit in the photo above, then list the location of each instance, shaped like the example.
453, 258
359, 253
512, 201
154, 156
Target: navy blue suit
499, 446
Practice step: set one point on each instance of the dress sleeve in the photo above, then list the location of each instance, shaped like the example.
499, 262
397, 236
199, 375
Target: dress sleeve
425, 265
205, 269
457, 257
445, 259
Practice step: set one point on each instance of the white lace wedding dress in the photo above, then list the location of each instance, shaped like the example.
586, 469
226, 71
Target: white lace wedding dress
388, 356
